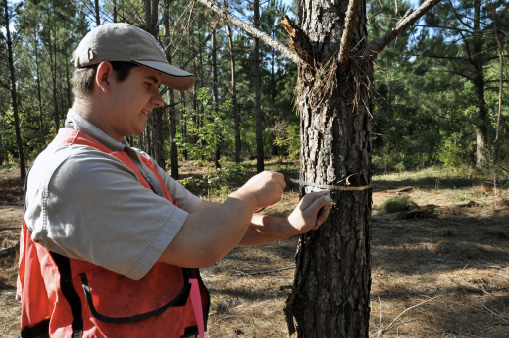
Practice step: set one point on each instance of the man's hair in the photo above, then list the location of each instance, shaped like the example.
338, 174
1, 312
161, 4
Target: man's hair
83, 78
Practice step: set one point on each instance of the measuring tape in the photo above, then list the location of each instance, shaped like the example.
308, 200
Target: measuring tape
328, 187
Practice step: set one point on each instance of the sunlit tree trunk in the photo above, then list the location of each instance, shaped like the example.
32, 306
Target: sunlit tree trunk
236, 119
332, 282
257, 91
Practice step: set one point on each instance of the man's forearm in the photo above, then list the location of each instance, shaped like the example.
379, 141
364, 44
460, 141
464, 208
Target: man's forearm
263, 228
267, 229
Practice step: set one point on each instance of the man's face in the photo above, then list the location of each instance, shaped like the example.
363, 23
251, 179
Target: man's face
132, 100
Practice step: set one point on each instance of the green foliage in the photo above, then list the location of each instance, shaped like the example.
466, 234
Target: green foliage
287, 135
456, 150
221, 181
205, 128
228, 173
397, 203
424, 99
426, 90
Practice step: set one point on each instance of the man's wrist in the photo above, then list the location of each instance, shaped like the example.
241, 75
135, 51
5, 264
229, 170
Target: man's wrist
249, 200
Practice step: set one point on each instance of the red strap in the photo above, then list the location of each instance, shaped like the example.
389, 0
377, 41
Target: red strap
197, 306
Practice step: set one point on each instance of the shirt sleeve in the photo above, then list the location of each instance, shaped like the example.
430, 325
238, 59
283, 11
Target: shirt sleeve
93, 208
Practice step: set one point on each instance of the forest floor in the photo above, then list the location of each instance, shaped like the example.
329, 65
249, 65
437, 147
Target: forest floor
444, 273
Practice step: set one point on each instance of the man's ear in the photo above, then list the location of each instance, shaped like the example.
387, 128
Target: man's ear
103, 77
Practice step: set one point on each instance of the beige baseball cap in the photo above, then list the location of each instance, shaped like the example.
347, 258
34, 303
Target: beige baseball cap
124, 42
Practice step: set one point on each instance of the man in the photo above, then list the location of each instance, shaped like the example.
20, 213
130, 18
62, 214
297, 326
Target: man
111, 244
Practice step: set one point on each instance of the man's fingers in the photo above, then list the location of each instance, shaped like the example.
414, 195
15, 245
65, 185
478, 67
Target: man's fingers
322, 216
323, 205
311, 198
323, 200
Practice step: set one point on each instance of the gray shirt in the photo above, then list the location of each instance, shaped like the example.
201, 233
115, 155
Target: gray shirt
87, 205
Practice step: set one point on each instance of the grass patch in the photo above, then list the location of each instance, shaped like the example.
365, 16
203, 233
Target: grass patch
397, 203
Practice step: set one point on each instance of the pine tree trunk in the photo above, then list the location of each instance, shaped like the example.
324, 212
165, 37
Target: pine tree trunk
260, 166
39, 96
53, 66
480, 108
174, 169
97, 15
172, 122
236, 119
215, 97
273, 118
154, 129
115, 11
14, 93
332, 282
183, 123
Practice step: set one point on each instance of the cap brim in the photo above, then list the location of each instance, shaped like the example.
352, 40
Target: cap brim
172, 76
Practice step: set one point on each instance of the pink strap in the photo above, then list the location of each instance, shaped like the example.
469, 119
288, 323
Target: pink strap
197, 307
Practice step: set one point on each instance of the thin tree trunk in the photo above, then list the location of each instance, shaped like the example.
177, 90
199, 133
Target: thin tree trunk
215, 97
332, 283
496, 28
115, 11
53, 66
97, 14
273, 117
480, 108
260, 165
183, 122
39, 97
155, 122
172, 121
200, 116
68, 84
236, 119
14, 93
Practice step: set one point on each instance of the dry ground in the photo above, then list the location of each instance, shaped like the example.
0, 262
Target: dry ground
445, 275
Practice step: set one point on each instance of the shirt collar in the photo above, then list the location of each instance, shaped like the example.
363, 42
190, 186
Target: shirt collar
78, 122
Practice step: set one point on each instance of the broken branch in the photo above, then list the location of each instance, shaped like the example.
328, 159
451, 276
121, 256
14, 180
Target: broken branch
348, 30
255, 32
406, 21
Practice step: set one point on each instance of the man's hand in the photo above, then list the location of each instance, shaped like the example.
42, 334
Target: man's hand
264, 189
311, 212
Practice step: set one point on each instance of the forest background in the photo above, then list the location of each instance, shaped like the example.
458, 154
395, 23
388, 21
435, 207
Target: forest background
438, 94
436, 103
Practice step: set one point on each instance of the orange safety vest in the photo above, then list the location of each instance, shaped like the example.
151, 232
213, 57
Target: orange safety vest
66, 297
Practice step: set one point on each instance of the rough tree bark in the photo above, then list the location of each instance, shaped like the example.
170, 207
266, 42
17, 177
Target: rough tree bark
333, 275
330, 297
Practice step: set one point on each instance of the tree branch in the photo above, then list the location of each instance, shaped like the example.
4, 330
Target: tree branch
348, 30
212, 5
406, 21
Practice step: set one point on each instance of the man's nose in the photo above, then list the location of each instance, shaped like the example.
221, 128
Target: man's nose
157, 100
